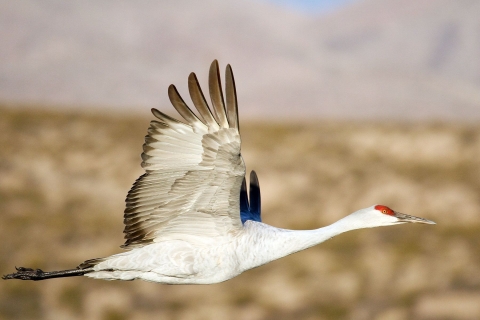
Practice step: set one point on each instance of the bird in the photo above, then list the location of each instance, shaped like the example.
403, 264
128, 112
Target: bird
189, 219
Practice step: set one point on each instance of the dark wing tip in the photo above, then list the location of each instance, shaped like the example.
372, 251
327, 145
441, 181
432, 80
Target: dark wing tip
255, 198
182, 108
254, 178
244, 205
199, 101
231, 98
216, 95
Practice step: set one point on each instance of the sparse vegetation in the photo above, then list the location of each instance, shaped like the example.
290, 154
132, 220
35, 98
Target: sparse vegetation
64, 177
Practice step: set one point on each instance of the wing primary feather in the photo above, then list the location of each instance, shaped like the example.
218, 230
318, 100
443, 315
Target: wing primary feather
216, 95
231, 95
183, 109
158, 125
255, 199
165, 118
200, 103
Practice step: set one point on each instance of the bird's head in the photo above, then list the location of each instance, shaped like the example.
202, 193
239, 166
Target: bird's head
380, 215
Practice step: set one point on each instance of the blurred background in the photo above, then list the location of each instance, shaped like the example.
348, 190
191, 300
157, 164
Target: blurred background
343, 104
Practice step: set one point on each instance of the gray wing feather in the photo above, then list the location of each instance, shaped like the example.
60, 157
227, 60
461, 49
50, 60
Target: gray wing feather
183, 109
216, 95
231, 95
200, 103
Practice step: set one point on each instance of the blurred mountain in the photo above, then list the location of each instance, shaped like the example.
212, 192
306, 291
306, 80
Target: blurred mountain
372, 59
405, 58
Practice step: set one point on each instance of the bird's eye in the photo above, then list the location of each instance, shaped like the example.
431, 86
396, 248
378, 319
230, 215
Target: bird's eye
384, 211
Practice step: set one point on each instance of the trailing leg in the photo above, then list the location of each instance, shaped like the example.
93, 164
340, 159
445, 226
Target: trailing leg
37, 274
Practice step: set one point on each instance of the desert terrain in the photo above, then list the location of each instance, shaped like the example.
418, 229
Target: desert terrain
64, 177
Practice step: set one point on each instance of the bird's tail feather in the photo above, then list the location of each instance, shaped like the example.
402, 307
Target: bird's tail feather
88, 264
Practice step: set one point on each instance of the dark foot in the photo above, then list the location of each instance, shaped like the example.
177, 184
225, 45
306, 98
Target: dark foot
38, 274
25, 274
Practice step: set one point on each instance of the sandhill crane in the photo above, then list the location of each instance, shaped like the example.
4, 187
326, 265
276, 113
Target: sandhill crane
188, 219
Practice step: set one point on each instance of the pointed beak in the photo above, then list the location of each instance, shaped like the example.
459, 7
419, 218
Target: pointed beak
402, 217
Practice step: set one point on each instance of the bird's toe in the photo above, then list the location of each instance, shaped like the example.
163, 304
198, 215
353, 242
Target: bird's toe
23, 269
25, 274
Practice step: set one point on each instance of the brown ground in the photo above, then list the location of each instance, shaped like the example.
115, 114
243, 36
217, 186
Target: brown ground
63, 179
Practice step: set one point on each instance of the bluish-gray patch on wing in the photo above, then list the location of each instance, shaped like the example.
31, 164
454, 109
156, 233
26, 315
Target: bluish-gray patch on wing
250, 210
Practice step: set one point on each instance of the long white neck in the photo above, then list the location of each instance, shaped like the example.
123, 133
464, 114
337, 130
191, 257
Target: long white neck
263, 243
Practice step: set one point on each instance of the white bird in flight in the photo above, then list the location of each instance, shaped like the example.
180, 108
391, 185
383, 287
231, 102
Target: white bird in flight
188, 219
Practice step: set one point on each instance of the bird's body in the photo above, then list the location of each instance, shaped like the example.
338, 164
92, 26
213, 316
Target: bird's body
203, 261
188, 219
194, 260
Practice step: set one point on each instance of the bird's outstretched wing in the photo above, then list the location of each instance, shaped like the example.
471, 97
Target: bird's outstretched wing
194, 170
